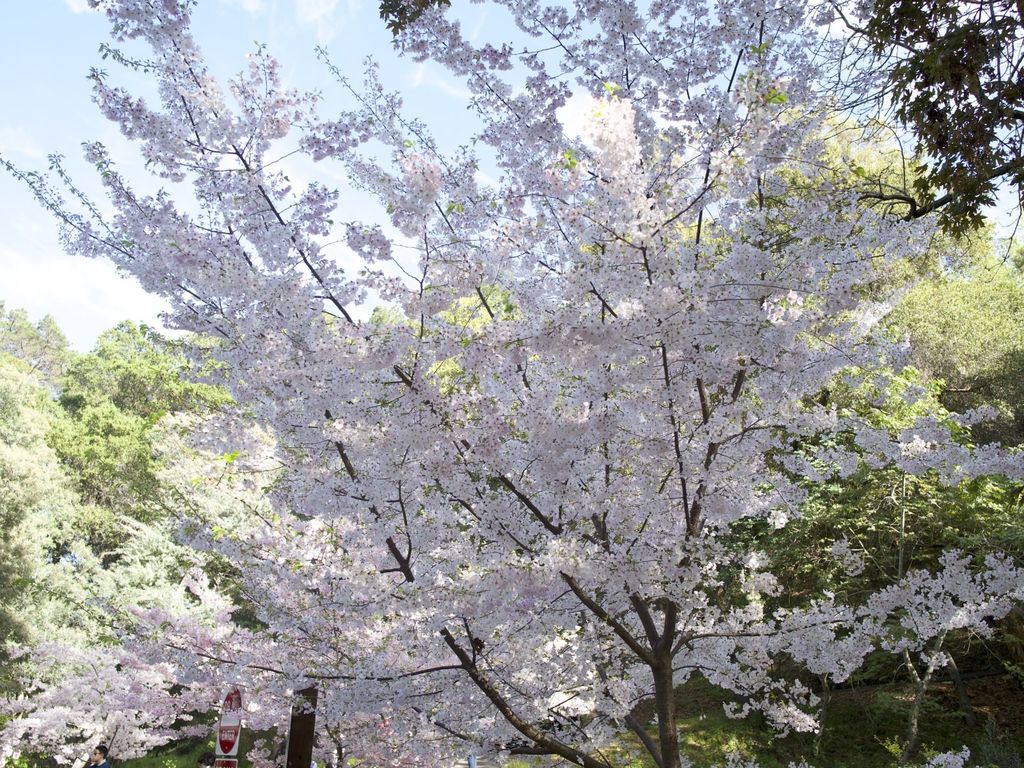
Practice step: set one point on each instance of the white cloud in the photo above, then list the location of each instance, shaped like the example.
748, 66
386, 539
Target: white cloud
249, 6
85, 296
319, 13
78, 6
15, 140
425, 75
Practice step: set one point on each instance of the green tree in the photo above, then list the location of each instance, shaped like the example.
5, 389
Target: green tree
950, 72
91, 531
967, 330
41, 346
111, 399
32, 486
140, 372
875, 523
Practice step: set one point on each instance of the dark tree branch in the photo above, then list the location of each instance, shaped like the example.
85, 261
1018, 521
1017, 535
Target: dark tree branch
530, 731
616, 626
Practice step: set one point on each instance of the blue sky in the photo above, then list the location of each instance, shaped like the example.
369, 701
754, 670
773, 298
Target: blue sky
46, 50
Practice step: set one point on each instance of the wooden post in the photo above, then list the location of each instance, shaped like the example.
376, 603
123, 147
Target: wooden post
301, 729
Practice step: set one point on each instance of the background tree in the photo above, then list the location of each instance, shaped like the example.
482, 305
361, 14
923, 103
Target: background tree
950, 72
74, 571
964, 325
31, 484
111, 399
967, 330
42, 346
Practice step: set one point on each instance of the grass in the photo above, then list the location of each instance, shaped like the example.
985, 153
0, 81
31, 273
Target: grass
181, 754
186, 753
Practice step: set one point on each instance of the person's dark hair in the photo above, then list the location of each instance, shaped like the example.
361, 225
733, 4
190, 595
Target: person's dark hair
103, 750
207, 758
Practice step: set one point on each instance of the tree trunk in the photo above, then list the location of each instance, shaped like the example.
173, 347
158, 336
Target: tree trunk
664, 696
303, 729
826, 699
920, 688
961, 692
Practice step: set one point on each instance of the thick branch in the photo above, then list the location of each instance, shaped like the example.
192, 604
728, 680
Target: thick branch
404, 564
530, 731
526, 502
653, 637
705, 403
645, 738
616, 626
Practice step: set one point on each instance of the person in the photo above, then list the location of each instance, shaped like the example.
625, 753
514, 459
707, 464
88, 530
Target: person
206, 760
99, 756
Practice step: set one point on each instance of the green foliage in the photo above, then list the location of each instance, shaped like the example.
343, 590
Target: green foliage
111, 400
139, 372
473, 312
24, 460
967, 330
32, 487
997, 750
41, 346
966, 327
107, 453
399, 14
85, 512
951, 71
894, 521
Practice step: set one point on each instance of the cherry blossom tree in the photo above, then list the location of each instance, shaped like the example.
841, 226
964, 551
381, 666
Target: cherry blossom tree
502, 516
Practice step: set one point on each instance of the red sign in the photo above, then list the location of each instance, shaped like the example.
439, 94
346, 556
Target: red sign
225, 762
227, 739
233, 701
230, 728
